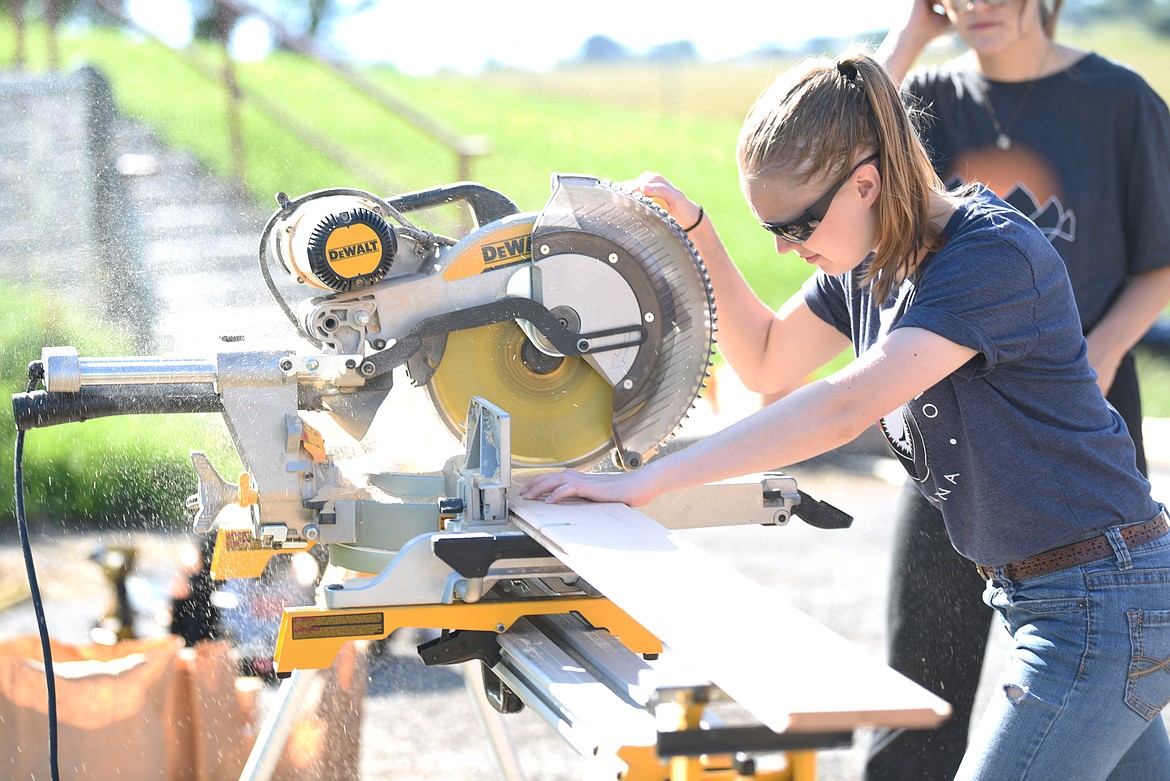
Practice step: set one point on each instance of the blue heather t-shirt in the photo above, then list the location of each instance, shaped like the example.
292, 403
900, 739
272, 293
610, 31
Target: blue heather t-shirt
1017, 448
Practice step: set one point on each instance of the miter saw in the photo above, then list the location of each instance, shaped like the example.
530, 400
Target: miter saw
591, 322
564, 337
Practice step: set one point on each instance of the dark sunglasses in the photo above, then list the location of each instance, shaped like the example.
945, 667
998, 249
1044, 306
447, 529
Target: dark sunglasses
798, 231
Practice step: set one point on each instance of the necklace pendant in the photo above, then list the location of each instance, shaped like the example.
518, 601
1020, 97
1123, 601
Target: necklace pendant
1003, 142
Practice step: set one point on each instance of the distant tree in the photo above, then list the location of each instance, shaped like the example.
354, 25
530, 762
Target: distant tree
494, 65
601, 48
821, 45
1153, 13
210, 23
308, 18
1112, 9
676, 51
1160, 19
62, 9
1137, 8
51, 13
68, 9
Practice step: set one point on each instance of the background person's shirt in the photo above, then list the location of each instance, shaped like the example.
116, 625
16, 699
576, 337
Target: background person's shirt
1089, 162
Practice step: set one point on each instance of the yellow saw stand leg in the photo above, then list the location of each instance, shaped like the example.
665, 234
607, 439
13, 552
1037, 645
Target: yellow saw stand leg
799, 765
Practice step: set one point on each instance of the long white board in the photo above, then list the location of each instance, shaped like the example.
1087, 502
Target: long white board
788, 670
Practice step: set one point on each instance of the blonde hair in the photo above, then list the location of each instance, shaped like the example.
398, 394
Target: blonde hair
823, 117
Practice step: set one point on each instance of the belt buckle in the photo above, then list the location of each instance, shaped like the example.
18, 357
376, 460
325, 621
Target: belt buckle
987, 573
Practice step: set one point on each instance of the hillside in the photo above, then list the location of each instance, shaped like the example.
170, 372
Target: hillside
681, 119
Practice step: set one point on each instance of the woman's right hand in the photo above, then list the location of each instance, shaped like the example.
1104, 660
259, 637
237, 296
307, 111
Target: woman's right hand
654, 185
924, 23
907, 38
632, 488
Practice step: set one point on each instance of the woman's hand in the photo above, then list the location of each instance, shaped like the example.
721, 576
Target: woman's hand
631, 488
907, 38
684, 211
926, 23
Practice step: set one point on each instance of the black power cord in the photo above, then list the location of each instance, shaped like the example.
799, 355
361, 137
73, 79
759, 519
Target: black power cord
35, 371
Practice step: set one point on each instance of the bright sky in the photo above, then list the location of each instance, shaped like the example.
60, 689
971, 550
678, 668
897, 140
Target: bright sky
421, 36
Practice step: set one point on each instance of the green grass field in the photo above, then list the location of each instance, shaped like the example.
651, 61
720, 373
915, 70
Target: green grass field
119, 471
612, 122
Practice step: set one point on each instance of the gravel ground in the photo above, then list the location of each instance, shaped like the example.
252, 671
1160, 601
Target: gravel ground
418, 722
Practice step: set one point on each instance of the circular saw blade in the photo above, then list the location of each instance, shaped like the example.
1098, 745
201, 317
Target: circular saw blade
561, 410
591, 218
575, 411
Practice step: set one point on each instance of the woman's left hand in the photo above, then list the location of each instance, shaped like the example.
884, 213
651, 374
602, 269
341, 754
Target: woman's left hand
655, 186
631, 488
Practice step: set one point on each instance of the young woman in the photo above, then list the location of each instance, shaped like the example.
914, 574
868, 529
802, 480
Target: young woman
1081, 145
970, 354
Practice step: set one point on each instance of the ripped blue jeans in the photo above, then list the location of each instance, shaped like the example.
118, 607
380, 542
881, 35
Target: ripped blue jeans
1087, 674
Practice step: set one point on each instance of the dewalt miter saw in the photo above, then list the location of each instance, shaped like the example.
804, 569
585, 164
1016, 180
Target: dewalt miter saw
555, 338
591, 321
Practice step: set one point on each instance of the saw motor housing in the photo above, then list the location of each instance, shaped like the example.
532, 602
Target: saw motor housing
336, 242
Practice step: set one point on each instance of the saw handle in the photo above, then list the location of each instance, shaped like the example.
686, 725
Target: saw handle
821, 514
485, 203
40, 409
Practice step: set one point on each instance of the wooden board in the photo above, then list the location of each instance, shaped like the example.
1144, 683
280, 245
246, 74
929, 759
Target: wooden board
789, 671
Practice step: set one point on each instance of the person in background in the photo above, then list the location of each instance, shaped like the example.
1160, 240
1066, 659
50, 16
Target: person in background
1081, 145
970, 355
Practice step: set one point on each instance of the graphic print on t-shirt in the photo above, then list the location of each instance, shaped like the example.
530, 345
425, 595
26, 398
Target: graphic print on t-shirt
1023, 178
905, 438
1055, 221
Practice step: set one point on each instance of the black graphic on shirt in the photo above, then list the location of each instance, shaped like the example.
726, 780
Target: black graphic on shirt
905, 438
1052, 217
1055, 221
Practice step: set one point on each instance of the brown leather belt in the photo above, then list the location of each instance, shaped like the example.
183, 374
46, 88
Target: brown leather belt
1083, 552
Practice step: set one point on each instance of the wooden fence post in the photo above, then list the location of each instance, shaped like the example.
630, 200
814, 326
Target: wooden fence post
52, 20
18, 56
225, 20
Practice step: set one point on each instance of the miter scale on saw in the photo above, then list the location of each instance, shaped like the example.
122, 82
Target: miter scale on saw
545, 339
